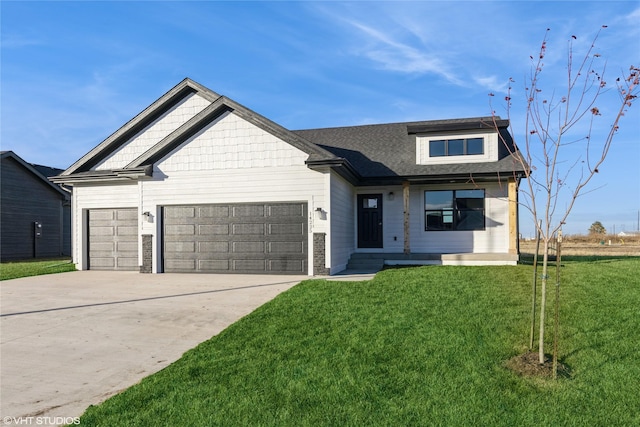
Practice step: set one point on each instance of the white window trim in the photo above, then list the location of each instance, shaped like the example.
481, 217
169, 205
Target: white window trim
490, 149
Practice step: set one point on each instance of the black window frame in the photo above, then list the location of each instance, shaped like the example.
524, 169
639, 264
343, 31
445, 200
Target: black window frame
447, 141
458, 216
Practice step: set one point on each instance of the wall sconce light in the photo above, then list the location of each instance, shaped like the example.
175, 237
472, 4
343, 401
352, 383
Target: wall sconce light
321, 214
390, 196
147, 216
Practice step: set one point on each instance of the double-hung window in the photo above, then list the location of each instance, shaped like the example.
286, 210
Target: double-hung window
454, 210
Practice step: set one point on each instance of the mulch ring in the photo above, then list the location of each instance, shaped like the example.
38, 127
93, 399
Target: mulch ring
528, 365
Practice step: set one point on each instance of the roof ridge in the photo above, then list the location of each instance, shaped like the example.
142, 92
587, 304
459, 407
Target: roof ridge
411, 123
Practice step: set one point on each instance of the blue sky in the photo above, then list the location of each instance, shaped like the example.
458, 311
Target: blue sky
74, 72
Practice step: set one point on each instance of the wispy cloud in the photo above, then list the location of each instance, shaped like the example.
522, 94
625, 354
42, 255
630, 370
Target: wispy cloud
14, 41
395, 55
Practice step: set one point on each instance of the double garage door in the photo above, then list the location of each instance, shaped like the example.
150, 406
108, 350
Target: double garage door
236, 238
220, 238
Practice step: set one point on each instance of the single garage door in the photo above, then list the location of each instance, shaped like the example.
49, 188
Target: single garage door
236, 238
113, 239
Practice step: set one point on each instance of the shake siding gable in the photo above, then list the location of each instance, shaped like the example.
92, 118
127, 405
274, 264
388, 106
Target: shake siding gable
230, 142
231, 161
152, 134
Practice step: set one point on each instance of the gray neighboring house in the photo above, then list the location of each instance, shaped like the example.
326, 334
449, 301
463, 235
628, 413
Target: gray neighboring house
35, 214
199, 183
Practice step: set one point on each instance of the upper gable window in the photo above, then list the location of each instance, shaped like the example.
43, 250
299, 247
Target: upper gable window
456, 148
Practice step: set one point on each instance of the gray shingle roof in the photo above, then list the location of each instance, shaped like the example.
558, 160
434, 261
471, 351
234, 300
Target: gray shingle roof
363, 154
387, 151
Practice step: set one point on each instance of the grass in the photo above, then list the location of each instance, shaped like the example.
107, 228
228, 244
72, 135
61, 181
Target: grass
14, 270
414, 346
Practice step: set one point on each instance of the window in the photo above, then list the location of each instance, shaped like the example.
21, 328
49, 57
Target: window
454, 210
456, 147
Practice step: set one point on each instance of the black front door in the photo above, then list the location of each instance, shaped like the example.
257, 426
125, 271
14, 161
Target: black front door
369, 220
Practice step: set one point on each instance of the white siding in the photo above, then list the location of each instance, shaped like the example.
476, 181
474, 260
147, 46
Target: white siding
341, 238
494, 239
232, 161
491, 144
97, 197
152, 134
231, 142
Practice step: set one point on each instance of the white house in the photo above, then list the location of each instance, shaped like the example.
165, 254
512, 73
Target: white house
198, 183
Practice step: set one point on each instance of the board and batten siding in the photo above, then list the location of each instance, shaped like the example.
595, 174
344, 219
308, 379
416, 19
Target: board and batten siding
342, 237
231, 161
26, 198
97, 197
153, 133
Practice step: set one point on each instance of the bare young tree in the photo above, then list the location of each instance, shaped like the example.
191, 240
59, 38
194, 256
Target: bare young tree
562, 151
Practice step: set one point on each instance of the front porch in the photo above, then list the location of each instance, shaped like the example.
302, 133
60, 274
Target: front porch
373, 262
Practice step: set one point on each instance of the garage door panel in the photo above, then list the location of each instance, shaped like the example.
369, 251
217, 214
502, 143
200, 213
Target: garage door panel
252, 238
213, 247
255, 229
96, 230
249, 265
124, 263
98, 263
127, 231
214, 212
286, 210
295, 230
124, 246
181, 246
129, 215
287, 266
248, 247
208, 230
180, 264
180, 230
113, 239
285, 247
181, 213
214, 265
242, 211
103, 215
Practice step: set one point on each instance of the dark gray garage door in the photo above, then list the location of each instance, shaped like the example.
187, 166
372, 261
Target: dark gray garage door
113, 239
236, 238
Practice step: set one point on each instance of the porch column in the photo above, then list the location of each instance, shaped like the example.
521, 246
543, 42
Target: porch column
405, 199
513, 216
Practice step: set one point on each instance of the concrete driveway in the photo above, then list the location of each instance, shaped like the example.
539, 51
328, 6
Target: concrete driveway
71, 340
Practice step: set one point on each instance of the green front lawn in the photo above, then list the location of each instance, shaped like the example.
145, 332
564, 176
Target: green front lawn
14, 270
414, 346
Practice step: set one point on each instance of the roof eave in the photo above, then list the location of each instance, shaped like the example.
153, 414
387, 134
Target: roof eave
339, 165
126, 175
486, 124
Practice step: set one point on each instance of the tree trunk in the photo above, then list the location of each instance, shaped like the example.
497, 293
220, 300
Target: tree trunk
543, 299
534, 290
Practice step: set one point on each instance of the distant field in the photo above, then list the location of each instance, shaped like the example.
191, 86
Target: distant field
592, 245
